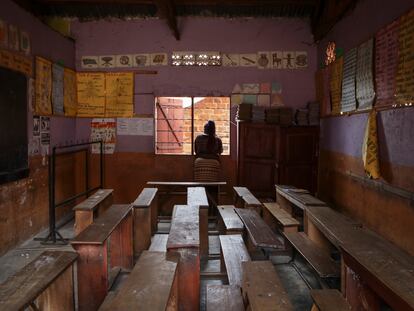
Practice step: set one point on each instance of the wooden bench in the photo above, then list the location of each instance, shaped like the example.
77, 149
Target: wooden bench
224, 298
278, 218
229, 222
92, 207
152, 285
145, 219
245, 199
110, 234
197, 196
259, 233
262, 288
159, 243
329, 300
184, 240
233, 253
46, 283
318, 258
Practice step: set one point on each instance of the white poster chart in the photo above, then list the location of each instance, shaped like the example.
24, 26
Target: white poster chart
103, 129
365, 92
348, 102
135, 126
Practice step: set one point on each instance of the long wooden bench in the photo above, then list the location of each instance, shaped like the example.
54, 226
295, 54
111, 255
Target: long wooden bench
224, 298
91, 208
329, 300
318, 258
145, 219
233, 253
159, 243
259, 233
46, 283
197, 196
184, 240
262, 288
152, 285
106, 242
229, 222
243, 198
279, 219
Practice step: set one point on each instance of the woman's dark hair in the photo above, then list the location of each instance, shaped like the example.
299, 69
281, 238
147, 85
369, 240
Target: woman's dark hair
210, 130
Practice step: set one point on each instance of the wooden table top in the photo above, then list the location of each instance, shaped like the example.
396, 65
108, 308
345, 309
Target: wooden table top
186, 183
197, 196
185, 228
94, 200
247, 196
231, 220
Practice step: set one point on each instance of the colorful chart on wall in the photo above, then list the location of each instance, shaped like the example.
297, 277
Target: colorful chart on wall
43, 102
335, 84
91, 94
365, 92
69, 93
119, 94
105, 130
348, 102
57, 89
386, 62
405, 73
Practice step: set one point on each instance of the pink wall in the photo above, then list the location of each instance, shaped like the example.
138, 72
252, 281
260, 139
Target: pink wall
198, 34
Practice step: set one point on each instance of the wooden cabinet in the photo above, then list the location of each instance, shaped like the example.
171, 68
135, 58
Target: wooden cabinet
269, 154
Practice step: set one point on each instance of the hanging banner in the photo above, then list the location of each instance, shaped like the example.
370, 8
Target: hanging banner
69, 93
105, 130
348, 102
405, 74
336, 84
57, 89
370, 154
43, 102
119, 94
91, 94
365, 92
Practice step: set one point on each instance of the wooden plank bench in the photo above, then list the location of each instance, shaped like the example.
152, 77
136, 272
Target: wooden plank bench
262, 288
278, 218
259, 233
233, 253
318, 258
184, 240
224, 298
152, 285
197, 196
229, 222
91, 208
243, 198
46, 283
110, 234
159, 243
145, 219
329, 300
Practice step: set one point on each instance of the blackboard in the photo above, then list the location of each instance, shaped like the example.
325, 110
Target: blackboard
13, 126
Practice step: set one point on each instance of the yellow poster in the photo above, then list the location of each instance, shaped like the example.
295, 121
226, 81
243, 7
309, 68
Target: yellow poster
69, 93
336, 84
91, 94
16, 62
119, 94
43, 102
370, 155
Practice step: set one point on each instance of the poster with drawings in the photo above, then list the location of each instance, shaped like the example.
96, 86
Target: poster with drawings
44, 135
103, 129
135, 126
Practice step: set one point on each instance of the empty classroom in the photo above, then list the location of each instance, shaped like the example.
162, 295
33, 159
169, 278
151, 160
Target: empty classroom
206, 155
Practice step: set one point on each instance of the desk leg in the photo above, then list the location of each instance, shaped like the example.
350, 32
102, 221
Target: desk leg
92, 275
121, 244
142, 230
316, 236
203, 232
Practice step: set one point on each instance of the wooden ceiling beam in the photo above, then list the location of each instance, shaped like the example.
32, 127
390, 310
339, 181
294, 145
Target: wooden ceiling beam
166, 10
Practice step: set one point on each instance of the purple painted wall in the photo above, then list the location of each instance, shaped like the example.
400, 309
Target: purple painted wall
198, 34
396, 127
49, 44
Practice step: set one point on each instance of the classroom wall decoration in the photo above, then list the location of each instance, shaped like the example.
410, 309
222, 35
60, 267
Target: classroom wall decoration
91, 94
106, 61
335, 84
348, 102
119, 94
370, 154
57, 89
365, 92
69, 93
135, 126
43, 102
103, 129
17, 62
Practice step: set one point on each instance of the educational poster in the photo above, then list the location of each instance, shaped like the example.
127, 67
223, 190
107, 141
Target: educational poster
44, 135
265, 88
263, 100
230, 60
91, 94
276, 88
90, 61
36, 125
236, 99
250, 88
34, 144
16, 62
405, 73
289, 60
119, 94
370, 155
13, 38
386, 63
69, 93
301, 59
365, 92
335, 84
123, 61
277, 58
348, 102
141, 60
57, 89
105, 130
4, 34
248, 60
43, 102
107, 61
135, 126
24, 42
263, 60
159, 59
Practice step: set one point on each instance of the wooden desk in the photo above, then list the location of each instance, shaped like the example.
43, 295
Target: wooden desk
196, 196
243, 198
288, 197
